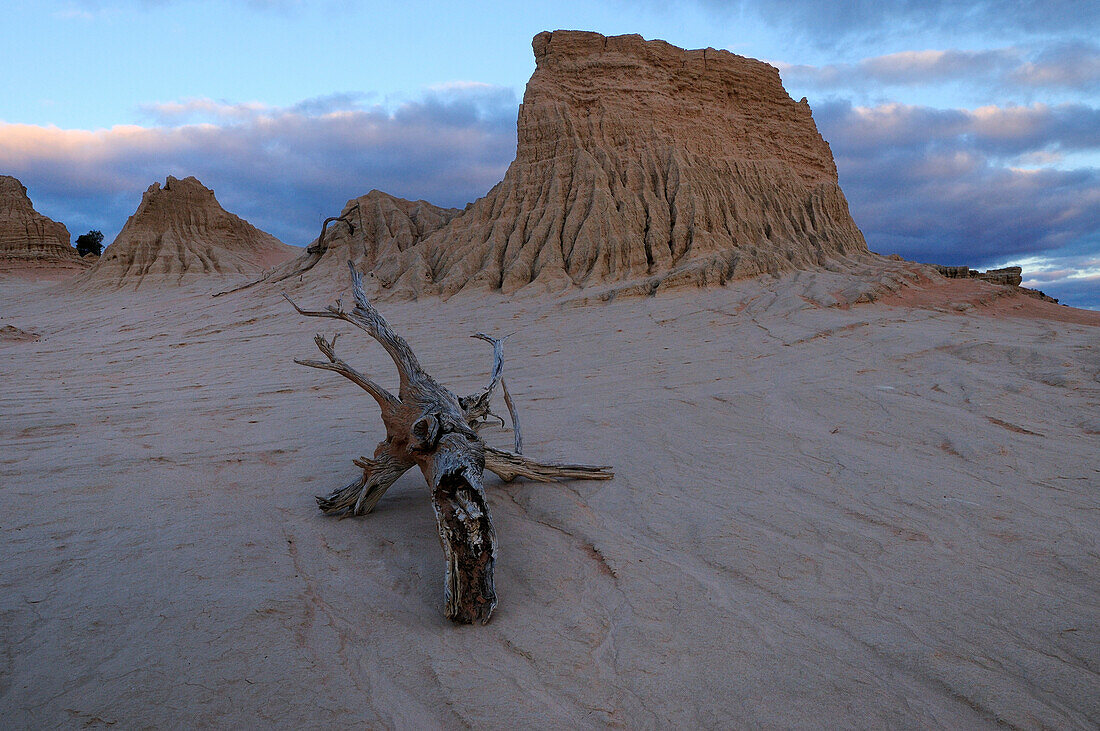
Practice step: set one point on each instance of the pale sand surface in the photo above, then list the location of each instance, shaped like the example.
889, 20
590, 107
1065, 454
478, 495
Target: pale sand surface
874, 516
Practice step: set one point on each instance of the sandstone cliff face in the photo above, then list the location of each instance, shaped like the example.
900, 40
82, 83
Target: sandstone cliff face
1005, 276
639, 161
180, 233
1011, 276
29, 240
383, 226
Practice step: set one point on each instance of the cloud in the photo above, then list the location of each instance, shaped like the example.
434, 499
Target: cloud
1010, 130
192, 110
1071, 278
1072, 65
283, 169
837, 23
1068, 65
907, 68
948, 185
459, 85
204, 110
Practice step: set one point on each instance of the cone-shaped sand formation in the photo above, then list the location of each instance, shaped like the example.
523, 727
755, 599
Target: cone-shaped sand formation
31, 243
642, 164
180, 234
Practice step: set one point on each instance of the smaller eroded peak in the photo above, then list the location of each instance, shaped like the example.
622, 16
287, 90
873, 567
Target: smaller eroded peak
187, 191
180, 233
31, 243
10, 187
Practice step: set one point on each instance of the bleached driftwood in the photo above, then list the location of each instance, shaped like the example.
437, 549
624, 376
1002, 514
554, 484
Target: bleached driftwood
428, 426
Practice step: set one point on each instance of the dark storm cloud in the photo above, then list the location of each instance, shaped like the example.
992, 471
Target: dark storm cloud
949, 186
283, 169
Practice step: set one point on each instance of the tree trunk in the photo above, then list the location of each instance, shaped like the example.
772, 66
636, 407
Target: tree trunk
429, 426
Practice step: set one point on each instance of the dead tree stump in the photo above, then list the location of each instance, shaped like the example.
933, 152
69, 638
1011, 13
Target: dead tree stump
430, 427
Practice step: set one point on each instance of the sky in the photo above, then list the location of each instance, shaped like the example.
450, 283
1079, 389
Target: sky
964, 133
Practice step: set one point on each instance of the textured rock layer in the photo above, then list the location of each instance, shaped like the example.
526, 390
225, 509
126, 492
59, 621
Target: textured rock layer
637, 160
180, 233
375, 227
1006, 276
1011, 276
382, 226
29, 240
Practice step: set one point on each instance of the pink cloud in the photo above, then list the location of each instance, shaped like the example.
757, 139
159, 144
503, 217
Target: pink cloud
285, 169
1062, 65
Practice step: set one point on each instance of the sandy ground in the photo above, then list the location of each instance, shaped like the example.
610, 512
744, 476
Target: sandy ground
874, 516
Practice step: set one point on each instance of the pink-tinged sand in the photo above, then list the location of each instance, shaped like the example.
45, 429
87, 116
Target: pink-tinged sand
878, 515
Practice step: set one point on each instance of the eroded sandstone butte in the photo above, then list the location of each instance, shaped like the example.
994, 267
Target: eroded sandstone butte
180, 234
639, 162
30, 242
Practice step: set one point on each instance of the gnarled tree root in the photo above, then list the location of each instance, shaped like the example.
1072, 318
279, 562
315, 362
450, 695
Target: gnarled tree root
360, 497
428, 426
508, 466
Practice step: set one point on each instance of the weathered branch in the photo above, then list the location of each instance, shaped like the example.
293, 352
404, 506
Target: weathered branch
386, 400
331, 311
478, 426
361, 496
381, 472
508, 466
514, 415
319, 246
368, 318
498, 358
476, 407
